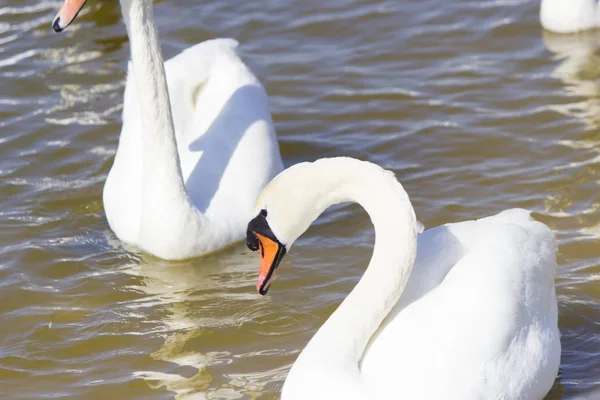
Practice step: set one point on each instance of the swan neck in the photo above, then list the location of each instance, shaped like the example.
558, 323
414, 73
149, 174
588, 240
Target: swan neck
165, 206
346, 334
161, 159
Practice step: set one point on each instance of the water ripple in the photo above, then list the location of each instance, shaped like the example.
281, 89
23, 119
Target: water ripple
471, 105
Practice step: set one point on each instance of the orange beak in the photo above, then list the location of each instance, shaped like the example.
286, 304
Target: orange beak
271, 254
68, 12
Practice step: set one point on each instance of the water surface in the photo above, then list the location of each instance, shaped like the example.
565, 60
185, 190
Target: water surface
473, 107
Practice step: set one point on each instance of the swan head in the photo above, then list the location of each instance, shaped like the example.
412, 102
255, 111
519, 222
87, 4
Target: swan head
67, 14
289, 204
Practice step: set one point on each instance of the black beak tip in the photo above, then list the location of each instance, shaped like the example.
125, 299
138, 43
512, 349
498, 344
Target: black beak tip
263, 290
56, 25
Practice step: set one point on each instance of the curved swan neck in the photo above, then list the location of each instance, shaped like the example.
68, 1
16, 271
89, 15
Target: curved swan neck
346, 334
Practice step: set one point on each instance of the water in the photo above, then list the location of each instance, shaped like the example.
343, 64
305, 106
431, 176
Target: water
473, 107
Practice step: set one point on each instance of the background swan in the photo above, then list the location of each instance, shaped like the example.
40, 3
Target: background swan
476, 320
184, 180
567, 16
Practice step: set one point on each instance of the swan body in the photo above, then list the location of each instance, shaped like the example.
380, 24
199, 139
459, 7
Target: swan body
196, 147
461, 311
227, 152
568, 16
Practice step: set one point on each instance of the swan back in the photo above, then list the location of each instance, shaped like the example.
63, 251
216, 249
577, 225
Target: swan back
486, 325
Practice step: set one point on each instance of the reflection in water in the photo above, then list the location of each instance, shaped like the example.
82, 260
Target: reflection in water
573, 202
170, 287
217, 283
579, 71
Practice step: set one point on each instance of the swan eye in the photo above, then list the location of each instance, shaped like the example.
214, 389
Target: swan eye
258, 224
252, 241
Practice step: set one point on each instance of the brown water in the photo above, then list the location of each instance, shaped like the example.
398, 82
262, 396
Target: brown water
473, 107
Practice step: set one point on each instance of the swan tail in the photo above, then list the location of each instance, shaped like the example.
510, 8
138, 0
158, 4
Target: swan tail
523, 219
528, 234
517, 216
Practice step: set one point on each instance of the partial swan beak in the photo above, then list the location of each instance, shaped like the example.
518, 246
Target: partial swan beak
271, 253
259, 237
67, 14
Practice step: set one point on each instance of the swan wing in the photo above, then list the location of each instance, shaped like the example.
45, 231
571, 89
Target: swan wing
226, 138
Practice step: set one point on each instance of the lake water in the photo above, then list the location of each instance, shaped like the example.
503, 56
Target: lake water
469, 102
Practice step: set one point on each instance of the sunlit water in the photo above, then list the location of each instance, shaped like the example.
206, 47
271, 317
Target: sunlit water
473, 107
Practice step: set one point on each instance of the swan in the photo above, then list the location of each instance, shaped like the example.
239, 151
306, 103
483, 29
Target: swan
568, 16
191, 160
467, 311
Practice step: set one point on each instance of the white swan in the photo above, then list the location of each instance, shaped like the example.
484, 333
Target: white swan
476, 320
184, 184
568, 16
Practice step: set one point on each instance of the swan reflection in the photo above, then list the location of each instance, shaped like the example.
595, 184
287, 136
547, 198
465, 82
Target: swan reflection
201, 305
579, 71
578, 68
